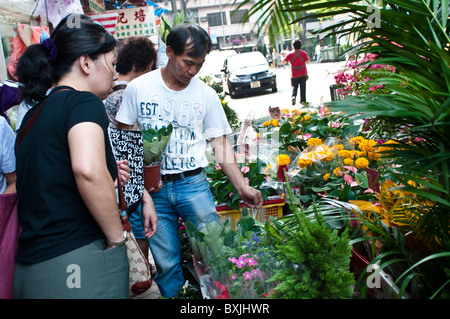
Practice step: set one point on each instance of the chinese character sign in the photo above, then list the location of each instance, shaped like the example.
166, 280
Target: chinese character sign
135, 21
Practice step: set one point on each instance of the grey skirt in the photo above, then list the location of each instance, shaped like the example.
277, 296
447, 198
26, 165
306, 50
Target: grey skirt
89, 272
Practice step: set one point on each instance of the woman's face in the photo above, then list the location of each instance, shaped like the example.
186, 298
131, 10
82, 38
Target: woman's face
104, 74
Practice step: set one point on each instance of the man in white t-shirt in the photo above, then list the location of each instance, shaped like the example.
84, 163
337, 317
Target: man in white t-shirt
174, 95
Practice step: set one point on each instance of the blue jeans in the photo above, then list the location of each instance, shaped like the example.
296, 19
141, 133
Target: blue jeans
189, 198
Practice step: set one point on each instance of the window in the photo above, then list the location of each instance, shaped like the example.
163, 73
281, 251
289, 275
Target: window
192, 16
238, 16
215, 20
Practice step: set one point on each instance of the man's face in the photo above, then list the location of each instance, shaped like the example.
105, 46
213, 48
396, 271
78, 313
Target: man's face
184, 67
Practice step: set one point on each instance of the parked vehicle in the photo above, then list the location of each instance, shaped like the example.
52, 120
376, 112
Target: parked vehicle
248, 73
214, 64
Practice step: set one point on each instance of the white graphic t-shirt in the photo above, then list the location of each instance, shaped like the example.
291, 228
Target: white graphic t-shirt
195, 113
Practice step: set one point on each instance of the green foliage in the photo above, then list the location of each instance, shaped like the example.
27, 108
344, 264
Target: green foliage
165, 27
224, 191
155, 143
317, 260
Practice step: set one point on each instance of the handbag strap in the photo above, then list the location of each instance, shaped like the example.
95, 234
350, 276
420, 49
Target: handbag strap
122, 206
33, 119
122, 201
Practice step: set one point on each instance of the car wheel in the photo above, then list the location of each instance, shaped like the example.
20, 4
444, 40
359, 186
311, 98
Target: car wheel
274, 89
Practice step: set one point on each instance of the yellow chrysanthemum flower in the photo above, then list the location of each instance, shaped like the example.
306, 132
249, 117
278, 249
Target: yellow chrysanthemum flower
267, 123
345, 154
338, 147
283, 159
275, 123
373, 156
304, 162
348, 161
326, 156
314, 141
384, 148
356, 140
326, 177
361, 163
336, 171
356, 154
367, 145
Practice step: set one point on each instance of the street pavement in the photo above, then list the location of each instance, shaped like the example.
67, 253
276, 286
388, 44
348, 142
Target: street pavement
321, 76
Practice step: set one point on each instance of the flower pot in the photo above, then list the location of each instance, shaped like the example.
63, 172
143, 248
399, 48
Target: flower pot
152, 176
280, 173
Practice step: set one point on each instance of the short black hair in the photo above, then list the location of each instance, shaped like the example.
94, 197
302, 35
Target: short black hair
297, 44
199, 40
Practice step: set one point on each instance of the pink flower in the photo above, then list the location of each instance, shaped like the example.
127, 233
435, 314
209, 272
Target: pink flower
247, 275
351, 168
305, 137
252, 262
348, 179
257, 273
245, 169
322, 111
234, 276
232, 259
241, 263
230, 194
334, 125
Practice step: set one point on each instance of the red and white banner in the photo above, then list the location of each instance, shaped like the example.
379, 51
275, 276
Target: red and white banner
107, 19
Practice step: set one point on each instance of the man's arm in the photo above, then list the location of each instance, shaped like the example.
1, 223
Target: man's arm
123, 126
227, 161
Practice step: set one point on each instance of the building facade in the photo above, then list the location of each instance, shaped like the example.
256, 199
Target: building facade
221, 19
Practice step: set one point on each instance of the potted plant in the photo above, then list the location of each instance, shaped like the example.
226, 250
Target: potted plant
155, 143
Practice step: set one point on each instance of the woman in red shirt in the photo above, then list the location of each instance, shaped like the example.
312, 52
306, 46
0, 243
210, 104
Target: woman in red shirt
299, 74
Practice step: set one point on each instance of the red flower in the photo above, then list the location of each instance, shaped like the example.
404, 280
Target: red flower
223, 291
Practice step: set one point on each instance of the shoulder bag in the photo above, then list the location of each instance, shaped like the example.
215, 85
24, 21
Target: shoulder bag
140, 274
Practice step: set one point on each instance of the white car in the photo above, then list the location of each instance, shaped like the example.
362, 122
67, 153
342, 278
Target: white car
248, 73
214, 64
